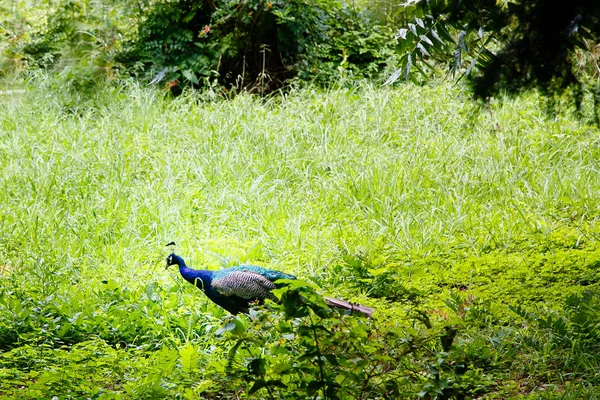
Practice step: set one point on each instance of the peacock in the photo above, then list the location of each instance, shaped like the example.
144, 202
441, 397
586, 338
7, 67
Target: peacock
235, 288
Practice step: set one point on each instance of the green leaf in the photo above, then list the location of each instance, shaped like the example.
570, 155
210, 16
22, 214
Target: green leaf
75, 318
63, 330
394, 77
313, 387
232, 352
436, 36
189, 17
190, 76
257, 366
277, 383
457, 59
239, 327
189, 358
401, 33
408, 66
226, 328
418, 68
471, 65
426, 40
444, 33
586, 34
258, 384
309, 355
332, 358
461, 40
413, 29
448, 337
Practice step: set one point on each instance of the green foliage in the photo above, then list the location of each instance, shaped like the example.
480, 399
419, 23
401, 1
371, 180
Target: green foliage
353, 46
258, 44
316, 352
83, 34
504, 45
459, 36
568, 339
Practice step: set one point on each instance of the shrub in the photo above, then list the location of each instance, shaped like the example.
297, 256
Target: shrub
257, 44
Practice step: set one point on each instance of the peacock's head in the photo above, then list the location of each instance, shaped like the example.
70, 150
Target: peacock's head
173, 259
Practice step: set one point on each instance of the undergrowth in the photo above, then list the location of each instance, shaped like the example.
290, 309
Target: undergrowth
471, 229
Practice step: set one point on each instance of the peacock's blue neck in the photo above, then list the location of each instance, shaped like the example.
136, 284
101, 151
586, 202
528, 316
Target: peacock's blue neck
198, 277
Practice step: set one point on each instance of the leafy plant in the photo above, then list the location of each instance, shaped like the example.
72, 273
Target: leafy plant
312, 351
570, 337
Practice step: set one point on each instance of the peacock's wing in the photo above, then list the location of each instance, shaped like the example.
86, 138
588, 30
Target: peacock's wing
247, 285
270, 274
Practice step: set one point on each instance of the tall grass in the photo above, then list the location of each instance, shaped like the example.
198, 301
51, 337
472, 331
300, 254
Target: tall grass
304, 177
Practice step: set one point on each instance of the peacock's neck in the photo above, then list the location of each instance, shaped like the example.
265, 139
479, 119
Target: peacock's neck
200, 278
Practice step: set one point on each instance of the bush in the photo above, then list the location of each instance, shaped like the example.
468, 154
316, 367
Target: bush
257, 45
309, 351
72, 33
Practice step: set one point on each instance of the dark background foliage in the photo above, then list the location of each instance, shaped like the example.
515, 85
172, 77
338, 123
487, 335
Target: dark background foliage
261, 45
257, 45
504, 46
537, 40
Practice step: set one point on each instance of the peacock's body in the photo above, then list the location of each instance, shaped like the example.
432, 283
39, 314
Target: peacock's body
236, 287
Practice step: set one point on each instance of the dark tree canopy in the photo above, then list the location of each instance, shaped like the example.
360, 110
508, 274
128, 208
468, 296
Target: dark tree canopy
513, 45
538, 51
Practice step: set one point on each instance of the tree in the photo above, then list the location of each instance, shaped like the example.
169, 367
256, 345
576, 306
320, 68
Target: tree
502, 44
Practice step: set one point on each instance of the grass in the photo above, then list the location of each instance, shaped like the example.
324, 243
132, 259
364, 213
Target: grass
385, 196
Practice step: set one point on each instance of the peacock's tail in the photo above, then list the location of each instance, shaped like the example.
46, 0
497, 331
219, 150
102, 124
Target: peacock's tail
367, 311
